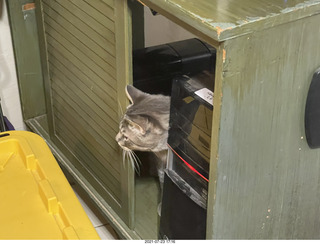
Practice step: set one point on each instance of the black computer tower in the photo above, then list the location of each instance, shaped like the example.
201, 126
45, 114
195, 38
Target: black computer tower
184, 201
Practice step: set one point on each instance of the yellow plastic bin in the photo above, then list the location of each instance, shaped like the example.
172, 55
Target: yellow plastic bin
36, 200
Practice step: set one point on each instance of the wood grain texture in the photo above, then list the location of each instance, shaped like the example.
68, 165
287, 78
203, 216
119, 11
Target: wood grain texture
83, 66
221, 20
267, 184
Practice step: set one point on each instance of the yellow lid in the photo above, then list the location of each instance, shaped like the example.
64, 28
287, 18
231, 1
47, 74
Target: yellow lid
36, 200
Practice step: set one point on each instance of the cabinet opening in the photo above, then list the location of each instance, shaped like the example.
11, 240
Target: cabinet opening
175, 63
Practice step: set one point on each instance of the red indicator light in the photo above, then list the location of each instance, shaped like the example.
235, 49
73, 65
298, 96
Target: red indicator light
189, 166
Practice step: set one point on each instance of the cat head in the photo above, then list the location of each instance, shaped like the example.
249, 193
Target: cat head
145, 124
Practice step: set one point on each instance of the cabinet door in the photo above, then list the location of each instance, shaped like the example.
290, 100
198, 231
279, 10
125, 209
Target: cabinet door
85, 54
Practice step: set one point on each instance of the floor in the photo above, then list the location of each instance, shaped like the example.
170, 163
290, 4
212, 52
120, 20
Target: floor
101, 225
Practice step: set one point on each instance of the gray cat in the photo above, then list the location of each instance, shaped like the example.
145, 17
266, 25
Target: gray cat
144, 127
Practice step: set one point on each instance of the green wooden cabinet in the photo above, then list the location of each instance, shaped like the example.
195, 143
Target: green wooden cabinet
264, 179
263, 176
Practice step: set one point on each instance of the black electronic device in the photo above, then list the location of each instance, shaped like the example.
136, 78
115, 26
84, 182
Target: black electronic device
181, 217
155, 67
184, 202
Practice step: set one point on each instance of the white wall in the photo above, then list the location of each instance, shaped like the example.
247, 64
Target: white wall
160, 30
9, 92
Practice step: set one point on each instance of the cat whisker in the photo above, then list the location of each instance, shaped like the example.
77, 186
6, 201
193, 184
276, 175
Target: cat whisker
132, 158
131, 161
137, 158
134, 162
137, 161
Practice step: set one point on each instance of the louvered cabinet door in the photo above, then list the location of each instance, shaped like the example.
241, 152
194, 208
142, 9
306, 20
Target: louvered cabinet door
87, 64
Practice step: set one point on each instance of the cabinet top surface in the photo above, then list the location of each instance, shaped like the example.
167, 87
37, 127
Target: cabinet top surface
224, 19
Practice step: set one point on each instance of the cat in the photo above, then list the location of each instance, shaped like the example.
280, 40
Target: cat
144, 127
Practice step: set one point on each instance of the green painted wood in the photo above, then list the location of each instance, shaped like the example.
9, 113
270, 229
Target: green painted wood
221, 20
80, 29
267, 178
88, 99
26, 48
102, 95
137, 17
147, 198
87, 41
64, 46
104, 26
67, 39
86, 46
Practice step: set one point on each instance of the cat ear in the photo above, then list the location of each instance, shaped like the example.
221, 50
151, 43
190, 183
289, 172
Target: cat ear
134, 94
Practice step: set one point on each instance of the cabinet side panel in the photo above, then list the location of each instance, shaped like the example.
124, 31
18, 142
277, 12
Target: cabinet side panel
87, 72
81, 58
27, 57
267, 177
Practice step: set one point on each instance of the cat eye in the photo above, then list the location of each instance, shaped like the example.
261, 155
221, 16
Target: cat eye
125, 138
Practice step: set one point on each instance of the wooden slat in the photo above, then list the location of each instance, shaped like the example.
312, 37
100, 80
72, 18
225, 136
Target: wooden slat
104, 39
79, 38
68, 129
82, 153
83, 80
110, 3
105, 179
88, 40
103, 110
97, 137
101, 178
101, 118
84, 118
90, 141
99, 11
67, 40
81, 13
87, 139
85, 156
97, 80
105, 9
62, 44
